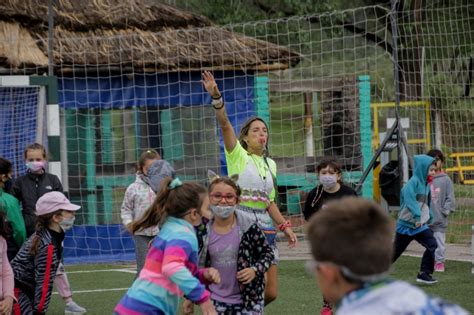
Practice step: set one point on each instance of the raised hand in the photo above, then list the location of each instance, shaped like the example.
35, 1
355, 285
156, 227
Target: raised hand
210, 84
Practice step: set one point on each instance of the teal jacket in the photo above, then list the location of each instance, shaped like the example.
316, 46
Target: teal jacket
415, 198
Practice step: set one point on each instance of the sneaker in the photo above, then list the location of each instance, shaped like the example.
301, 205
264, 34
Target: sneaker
326, 311
439, 267
425, 278
73, 309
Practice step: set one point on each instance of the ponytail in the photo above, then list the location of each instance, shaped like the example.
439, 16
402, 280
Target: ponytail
174, 199
156, 212
41, 225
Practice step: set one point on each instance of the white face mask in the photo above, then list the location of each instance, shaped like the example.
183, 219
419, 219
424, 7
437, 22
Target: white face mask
223, 212
67, 223
328, 181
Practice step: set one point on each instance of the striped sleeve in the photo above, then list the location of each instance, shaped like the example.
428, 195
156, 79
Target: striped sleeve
176, 257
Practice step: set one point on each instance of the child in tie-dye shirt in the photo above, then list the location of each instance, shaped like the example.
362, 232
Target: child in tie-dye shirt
171, 266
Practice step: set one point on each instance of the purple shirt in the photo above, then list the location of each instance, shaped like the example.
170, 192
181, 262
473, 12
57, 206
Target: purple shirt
223, 250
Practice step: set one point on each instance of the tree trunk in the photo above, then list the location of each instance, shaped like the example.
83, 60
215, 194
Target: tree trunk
410, 44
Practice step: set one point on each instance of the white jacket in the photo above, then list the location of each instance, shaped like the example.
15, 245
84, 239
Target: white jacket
138, 198
394, 298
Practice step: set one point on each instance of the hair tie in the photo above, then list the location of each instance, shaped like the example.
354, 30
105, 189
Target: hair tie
175, 183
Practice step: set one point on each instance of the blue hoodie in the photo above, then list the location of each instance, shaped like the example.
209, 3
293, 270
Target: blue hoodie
415, 199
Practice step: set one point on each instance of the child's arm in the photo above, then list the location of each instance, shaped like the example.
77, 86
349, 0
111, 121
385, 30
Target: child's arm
128, 204
17, 223
261, 249
45, 262
16, 190
308, 209
409, 197
176, 255
449, 203
8, 281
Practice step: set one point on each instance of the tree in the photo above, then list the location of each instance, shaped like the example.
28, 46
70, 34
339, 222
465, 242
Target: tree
415, 28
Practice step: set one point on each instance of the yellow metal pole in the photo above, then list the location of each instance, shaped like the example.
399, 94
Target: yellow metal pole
428, 125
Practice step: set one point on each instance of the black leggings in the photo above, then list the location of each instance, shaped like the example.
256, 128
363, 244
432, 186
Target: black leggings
426, 239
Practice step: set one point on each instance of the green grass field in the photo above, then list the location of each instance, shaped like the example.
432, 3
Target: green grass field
99, 287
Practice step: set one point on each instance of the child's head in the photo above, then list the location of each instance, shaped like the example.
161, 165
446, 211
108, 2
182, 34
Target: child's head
35, 157
157, 171
351, 243
329, 173
224, 195
439, 158
54, 211
175, 199
5, 171
424, 167
146, 159
54, 208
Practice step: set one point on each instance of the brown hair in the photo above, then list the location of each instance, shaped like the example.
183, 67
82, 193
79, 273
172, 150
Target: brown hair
35, 146
42, 223
149, 154
174, 202
355, 233
332, 163
437, 154
244, 130
227, 181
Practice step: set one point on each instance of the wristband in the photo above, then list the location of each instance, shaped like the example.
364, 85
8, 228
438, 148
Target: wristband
284, 225
217, 103
216, 98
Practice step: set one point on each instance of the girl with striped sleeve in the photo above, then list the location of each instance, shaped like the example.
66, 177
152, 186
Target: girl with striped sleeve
171, 266
36, 264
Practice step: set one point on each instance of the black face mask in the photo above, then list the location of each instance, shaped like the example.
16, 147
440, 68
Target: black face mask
7, 185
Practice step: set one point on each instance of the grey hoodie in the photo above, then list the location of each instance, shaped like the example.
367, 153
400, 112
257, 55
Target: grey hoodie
442, 201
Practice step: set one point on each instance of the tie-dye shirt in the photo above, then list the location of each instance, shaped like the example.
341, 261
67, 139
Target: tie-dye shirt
170, 271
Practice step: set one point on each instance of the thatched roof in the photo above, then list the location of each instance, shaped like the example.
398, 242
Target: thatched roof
143, 34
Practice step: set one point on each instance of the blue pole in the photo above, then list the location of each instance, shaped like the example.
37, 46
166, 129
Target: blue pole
366, 132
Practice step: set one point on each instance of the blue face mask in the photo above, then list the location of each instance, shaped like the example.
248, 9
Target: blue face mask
222, 212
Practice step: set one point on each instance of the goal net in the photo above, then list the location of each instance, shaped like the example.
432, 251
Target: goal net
324, 83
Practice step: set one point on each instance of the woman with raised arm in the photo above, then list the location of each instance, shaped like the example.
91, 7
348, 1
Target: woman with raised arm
247, 157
